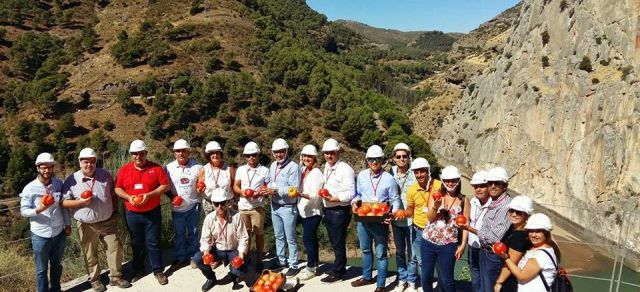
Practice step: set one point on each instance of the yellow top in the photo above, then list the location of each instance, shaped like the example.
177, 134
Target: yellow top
418, 198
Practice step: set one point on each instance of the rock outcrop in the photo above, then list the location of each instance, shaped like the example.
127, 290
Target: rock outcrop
560, 108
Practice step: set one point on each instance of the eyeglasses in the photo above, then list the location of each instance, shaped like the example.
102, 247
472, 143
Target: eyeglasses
181, 150
220, 204
402, 156
451, 181
251, 155
374, 159
280, 151
517, 212
45, 167
481, 186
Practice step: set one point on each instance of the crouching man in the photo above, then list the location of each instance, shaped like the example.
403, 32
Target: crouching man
224, 237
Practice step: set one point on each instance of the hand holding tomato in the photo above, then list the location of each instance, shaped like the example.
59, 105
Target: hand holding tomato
136, 200
177, 201
200, 186
248, 193
499, 248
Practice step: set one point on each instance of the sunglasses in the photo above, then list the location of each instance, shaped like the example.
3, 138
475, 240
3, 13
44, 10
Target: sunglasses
251, 155
140, 153
219, 204
519, 213
402, 156
374, 159
330, 152
495, 182
482, 186
280, 151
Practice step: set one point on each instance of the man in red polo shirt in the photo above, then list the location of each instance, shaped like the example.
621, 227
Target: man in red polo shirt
141, 183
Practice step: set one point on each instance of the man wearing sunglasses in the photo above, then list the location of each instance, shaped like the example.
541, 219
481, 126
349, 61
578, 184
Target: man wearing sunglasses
284, 174
339, 181
225, 237
141, 183
495, 225
249, 186
183, 176
402, 235
374, 185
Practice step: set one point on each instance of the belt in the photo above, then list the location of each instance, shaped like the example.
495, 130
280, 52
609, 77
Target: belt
416, 227
285, 205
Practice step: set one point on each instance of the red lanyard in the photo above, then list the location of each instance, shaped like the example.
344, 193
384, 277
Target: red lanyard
215, 176
223, 231
275, 179
47, 189
304, 175
93, 182
375, 188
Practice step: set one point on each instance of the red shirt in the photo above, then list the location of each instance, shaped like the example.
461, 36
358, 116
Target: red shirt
135, 182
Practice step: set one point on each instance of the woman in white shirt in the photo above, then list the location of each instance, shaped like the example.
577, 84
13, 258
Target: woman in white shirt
310, 207
217, 175
540, 260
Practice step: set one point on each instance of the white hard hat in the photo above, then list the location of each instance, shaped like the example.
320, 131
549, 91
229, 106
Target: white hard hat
309, 150
87, 153
181, 144
522, 203
401, 146
220, 196
330, 145
498, 174
212, 146
137, 146
279, 144
45, 157
420, 163
539, 221
251, 148
479, 178
374, 151
450, 172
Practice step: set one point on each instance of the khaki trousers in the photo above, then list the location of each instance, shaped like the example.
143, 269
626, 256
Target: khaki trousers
106, 232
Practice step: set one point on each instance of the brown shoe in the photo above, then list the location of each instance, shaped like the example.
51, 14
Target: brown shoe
162, 279
379, 289
362, 282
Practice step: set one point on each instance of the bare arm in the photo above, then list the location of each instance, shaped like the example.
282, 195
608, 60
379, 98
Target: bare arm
515, 257
530, 270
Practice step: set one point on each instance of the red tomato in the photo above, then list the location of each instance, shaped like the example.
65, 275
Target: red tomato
365, 208
137, 200
208, 259
177, 201
86, 194
324, 193
237, 262
200, 186
376, 209
249, 193
386, 208
499, 248
400, 215
461, 220
48, 200
437, 196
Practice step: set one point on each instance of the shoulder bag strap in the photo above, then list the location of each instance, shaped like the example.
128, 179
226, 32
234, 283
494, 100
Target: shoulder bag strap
546, 286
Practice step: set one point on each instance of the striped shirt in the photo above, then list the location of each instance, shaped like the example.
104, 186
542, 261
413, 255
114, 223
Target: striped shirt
101, 185
229, 235
495, 221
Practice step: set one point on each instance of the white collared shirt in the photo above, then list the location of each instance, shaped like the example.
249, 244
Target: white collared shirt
340, 181
477, 214
252, 178
311, 184
183, 181
50, 222
230, 235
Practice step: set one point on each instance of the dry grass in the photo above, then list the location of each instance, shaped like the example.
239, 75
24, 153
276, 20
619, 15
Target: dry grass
12, 262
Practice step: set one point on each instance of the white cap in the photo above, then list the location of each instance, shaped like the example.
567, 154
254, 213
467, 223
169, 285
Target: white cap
522, 203
212, 146
498, 174
181, 144
420, 163
87, 153
479, 178
217, 197
309, 150
137, 146
539, 221
374, 151
450, 172
279, 144
401, 146
45, 157
251, 148
330, 145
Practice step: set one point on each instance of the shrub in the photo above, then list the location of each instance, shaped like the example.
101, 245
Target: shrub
108, 125
585, 64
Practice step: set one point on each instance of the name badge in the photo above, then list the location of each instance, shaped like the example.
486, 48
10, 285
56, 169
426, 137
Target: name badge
425, 209
137, 186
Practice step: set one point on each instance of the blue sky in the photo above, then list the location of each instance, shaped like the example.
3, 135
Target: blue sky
410, 15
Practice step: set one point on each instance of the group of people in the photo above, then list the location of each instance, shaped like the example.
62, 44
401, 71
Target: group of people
426, 235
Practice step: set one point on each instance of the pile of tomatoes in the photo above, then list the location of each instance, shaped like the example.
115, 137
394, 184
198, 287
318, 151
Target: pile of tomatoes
373, 209
268, 282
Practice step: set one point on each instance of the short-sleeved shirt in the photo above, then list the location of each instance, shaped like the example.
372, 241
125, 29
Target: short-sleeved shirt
101, 185
139, 181
252, 178
419, 197
50, 222
183, 179
404, 181
545, 263
517, 240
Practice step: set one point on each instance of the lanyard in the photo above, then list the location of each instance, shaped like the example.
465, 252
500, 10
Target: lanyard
47, 189
404, 181
254, 174
215, 176
375, 188
93, 182
278, 170
223, 231
304, 175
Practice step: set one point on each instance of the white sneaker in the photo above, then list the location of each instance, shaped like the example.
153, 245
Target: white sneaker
401, 286
306, 274
413, 287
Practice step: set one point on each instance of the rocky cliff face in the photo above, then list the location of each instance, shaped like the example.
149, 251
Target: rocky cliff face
560, 108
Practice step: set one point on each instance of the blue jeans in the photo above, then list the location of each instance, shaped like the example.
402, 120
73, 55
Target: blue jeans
416, 240
490, 265
473, 254
186, 227
377, 233
226, 256
337, 219
402, 237
310, 238
444, 255
144, 228
284, 227
48, 251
